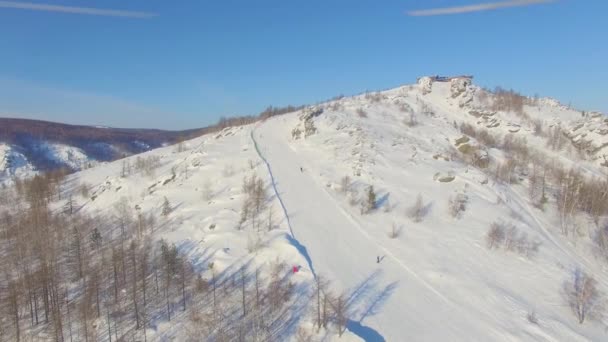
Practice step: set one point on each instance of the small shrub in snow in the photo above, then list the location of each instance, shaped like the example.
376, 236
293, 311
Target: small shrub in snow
426, 109
582, 296
395, 231
361, 113
180, 147
457, 205
296, 133
166, 209
374, 97
84, 190
416, 211
309, 127
538, 127
345, 184
532, 317
495, 236
353, 200
335, 106
370, 201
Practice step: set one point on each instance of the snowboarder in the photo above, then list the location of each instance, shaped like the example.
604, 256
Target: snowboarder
301, 169
295, 269
378, 259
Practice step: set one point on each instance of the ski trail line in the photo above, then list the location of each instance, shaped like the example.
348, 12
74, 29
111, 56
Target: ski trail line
293, 240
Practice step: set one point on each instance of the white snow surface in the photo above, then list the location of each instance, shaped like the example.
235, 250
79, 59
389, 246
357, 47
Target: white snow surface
73, 157
437, 281
13, 163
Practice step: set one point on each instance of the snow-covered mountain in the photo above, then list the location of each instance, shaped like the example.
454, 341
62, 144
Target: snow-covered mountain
437, 209
30, 146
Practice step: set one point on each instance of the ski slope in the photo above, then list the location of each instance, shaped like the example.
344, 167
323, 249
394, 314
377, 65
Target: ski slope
391, 300
438, 281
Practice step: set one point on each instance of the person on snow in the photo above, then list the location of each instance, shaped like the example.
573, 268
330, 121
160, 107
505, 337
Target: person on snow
301, 169
378, 259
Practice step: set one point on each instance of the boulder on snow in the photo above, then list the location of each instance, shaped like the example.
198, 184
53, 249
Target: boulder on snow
443, 178
462, 140
459, 85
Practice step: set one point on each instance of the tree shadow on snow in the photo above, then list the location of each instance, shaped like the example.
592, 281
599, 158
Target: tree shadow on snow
367, 334
383, 200
364, 301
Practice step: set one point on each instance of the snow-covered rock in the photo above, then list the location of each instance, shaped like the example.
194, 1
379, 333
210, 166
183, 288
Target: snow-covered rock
425, 85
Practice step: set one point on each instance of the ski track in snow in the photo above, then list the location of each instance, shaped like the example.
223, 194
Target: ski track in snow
292, 239
368, 334
332, 221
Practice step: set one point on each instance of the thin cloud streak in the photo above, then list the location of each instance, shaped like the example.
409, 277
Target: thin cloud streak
75, 10
476, 8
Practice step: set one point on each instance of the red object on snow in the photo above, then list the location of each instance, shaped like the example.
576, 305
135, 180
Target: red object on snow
295, 269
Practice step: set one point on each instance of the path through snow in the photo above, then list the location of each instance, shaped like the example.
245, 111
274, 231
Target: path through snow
388, 301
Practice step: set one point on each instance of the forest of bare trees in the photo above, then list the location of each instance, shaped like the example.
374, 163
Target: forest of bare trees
71, 276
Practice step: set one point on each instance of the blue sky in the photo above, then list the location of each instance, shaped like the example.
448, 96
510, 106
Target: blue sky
198, 60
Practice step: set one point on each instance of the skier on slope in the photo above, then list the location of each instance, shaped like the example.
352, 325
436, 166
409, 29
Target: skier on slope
301, 169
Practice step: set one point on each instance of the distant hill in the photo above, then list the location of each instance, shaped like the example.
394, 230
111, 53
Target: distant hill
28, 146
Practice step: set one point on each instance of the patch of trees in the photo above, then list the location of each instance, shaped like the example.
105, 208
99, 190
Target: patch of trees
508, 237
271, 111
256, 197
507, 100
71, 276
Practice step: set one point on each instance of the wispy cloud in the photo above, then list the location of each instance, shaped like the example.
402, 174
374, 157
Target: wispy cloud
476, 8
75, 10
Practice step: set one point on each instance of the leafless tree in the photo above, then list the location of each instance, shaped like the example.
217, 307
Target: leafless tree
345, 184
340, 310
582, 296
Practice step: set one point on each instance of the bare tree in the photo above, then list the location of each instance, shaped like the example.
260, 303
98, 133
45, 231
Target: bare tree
582, 296
345, 184
340, 310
